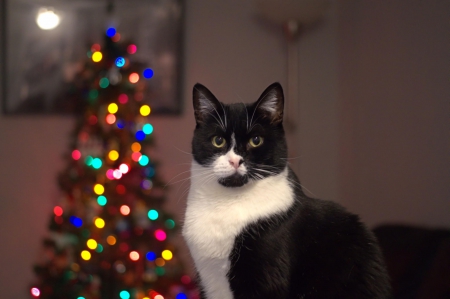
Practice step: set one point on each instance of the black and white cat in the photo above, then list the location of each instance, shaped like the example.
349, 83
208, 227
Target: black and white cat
252, 232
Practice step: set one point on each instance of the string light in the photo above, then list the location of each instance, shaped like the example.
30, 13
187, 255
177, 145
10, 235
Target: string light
181, 296
104, 82
140, 135
123, 98
124, 168
113, 108
97, 163
77, 222
58, 211
99, 189
110, 119
47, 19
35, 292
160, 235
99, 222
136, 147
125, 210
110, 174
153, 214
131, 49
148, 73
158, 297
111, 240
151, 256
97, 56
134, 78
120, 61
91, 244
111, 31
76, 155
167, 255
124, 295
117, 174
113, 155
147, 129
143, 160
145, 110
134, 256
85, 255
102, 200
135, 156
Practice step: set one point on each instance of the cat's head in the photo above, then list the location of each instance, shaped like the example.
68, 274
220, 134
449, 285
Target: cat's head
240, 143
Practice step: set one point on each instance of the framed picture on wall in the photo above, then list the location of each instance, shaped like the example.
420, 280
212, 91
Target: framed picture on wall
39, 62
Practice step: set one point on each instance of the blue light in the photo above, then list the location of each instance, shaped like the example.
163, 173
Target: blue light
151, 256
143, 160
148, 73
120, 124
149, 172
124, 295
77, 222
148, 129
120, 62
111, 32
181, 296
140, 135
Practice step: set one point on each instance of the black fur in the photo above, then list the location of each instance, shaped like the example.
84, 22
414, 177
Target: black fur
316, 250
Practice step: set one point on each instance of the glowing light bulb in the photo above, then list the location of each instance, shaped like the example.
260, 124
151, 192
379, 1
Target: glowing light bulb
113, 108
110, 174
151, 256
47, 19
97, 56
131, 49
85, 255
153, 214
134, 77
101, 200
103, 83
124, 295
111, 31
134, 256
135, 156
117, 174
144, 160
125, 210
35, 292
113, 155
99, 189
99, 222
181, 296
167, 255
147, 129
123, 98
124, 168
58, 211
136, 147
76, 155
91, 244
148, 73
111, 240
145, 110
120, 61
160, 262
110, 119
160, 235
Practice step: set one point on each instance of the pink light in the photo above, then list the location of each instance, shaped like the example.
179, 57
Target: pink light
117, 174
110, 119
131, 49
125, 210
160, 235
123, 98
124, 168
110, 174
76, 155
135, 156
35, 292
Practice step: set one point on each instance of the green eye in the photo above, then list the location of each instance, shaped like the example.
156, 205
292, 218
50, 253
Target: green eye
256, 141
218, 141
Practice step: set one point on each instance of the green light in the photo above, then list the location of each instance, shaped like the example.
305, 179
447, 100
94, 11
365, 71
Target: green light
101, 200
89, 54
124, 295
170, 224
104, 82
85, 233
89, 160
143, 160
96, 163
153, 214
99, 248
160, 271
93, 94
148, 129
81, 297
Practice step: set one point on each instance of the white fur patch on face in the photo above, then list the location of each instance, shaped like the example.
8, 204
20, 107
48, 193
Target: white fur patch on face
215, 215
225, 165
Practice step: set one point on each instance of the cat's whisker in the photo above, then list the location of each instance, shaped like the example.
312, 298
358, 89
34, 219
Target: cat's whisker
184, 152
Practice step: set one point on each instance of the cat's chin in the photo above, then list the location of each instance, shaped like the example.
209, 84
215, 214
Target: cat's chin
234, 181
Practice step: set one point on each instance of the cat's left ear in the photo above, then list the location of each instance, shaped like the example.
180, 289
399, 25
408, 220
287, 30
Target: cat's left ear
271, 103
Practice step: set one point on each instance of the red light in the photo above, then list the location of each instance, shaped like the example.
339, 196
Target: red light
123, 98
110, 119
58, 211
185, 279
76, 155
120, 189
92, 120
96, 48
116, 37
123, 247
135, 156
131, 49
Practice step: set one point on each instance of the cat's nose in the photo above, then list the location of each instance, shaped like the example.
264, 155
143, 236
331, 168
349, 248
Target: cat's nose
236, 162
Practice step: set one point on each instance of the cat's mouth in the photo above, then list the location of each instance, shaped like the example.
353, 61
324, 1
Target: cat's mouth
235, 180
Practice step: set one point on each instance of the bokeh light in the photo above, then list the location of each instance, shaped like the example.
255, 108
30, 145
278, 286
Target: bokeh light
153, 214
113, 108
111, 31
110, 174
151, 256
97, 56
124, 168
97, 163
99, 189
136, 147
140, 135
35, 292
77, 222
102, 200
145, 110
181, 296
167, 255
144, 160
76, 154
58, 211
147, 129
135, 156
160, 235
169, 223
99, 222
85, 255
131, 49
103, 83
148, 73
134, 77
123, 98
160, 262
110, 119
91, 244
134, 256
124, 295
125, 210
113, 155
111, 240
117, 174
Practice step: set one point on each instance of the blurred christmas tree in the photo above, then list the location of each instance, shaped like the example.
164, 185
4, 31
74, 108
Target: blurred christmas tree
110, 236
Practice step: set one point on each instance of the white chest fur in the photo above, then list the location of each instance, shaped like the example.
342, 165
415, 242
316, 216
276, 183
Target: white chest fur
215, 215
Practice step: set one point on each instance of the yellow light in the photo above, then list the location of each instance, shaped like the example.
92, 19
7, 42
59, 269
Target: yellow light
91, 244
160, 262
99, 189
145, 110
167, 255
111, 240
113, 108
135, 147
113, 155
85, 255
97, 56
99, 222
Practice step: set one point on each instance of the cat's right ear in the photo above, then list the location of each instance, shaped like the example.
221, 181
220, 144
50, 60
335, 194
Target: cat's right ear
205, 103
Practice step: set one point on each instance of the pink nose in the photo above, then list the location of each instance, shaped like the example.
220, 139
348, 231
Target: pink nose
236, 162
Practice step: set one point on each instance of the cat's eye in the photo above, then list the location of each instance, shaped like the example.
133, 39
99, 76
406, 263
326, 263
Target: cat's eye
218, 141
256, 141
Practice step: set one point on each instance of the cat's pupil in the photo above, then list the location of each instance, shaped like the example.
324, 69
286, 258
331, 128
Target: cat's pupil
256, 141
218, 141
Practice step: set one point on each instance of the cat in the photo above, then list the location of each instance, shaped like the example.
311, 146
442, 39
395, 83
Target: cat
251, 230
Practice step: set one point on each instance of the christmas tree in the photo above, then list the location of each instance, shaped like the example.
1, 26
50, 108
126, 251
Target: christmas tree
110, 236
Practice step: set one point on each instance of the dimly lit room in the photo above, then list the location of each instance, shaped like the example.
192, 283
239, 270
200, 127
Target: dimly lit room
147, 145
